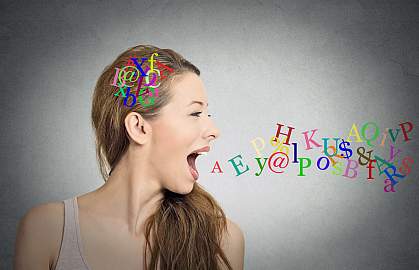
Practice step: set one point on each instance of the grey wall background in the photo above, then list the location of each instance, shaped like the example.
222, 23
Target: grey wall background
308, 64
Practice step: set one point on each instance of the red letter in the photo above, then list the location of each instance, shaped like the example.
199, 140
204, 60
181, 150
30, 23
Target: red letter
406, 166
278, 131
217, 166
163, 67
404, 131
370, 169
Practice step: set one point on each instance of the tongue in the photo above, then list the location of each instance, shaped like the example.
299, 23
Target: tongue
192, 168
194, 173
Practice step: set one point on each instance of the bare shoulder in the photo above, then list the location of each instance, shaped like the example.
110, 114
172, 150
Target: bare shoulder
39, 237
232, 244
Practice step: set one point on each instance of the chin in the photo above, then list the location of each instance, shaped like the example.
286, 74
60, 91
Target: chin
183, 189
186, 189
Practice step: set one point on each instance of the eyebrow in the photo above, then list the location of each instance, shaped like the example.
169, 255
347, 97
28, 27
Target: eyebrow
199, 102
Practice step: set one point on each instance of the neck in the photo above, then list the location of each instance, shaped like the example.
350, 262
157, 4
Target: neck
130, 195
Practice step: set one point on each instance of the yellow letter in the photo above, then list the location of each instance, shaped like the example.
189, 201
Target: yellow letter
151, 60
253, 142
354, 129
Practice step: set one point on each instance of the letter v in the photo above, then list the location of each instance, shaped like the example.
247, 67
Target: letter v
393, 138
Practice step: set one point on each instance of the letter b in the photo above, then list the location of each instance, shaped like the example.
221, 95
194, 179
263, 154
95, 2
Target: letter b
352, 168
134, 99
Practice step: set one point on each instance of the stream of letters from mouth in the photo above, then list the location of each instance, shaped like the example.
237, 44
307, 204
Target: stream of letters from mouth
338, 157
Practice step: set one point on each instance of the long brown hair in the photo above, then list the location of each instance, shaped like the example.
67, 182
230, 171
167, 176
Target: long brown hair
185, 231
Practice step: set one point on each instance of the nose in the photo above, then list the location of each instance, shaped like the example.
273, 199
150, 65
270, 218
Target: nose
212, 132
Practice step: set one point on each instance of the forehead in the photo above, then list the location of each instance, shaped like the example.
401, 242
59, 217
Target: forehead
188, 87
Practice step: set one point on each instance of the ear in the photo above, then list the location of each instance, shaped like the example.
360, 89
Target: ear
137, 128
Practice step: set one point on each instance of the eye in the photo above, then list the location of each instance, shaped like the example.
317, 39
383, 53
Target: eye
209, 115
196, 114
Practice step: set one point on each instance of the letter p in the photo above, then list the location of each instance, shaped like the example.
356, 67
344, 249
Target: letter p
406, 138
256, 147
303, 166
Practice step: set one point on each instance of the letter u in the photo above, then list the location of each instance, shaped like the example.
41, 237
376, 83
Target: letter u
325, 147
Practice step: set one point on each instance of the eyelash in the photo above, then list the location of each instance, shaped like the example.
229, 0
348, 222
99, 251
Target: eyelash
196, 114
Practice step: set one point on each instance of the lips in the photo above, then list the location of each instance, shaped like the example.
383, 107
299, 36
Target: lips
191, 158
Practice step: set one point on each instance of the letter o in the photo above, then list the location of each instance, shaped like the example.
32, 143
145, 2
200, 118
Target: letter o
327, 163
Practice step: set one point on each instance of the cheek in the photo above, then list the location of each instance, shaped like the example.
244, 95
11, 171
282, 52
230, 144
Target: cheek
176, 133
169, 141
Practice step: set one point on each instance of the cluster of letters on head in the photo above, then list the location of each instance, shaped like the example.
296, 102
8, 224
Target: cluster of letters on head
144, 82
346, 162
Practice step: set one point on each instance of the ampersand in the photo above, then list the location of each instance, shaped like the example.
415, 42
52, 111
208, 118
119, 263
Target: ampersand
363, 156
281, 147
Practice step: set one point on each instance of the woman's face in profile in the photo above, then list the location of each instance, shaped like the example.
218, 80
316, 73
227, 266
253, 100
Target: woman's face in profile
182, 129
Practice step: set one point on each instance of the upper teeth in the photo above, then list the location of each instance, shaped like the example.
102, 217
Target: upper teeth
202, 153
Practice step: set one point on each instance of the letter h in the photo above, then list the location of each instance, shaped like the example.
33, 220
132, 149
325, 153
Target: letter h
288, 135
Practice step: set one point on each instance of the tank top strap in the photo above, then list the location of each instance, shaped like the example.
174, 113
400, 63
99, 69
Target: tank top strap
70, 256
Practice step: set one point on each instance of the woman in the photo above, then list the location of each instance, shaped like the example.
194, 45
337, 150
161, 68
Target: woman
150, 213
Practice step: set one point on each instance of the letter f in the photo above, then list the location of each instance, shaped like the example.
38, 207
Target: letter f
151, 60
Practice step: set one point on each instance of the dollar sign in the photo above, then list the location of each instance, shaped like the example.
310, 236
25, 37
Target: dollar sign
345, 149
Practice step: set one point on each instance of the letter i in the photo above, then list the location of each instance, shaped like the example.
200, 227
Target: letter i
115, 79
295, 152
384, 137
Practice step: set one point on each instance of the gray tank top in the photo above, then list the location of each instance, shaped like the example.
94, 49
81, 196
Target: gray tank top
71, 251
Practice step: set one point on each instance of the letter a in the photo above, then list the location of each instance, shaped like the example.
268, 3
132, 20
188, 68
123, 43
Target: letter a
381, 162
354, 133
217, 166
163, 67
386, 187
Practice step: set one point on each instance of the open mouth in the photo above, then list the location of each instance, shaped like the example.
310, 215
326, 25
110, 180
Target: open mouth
192, 167
191, 158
